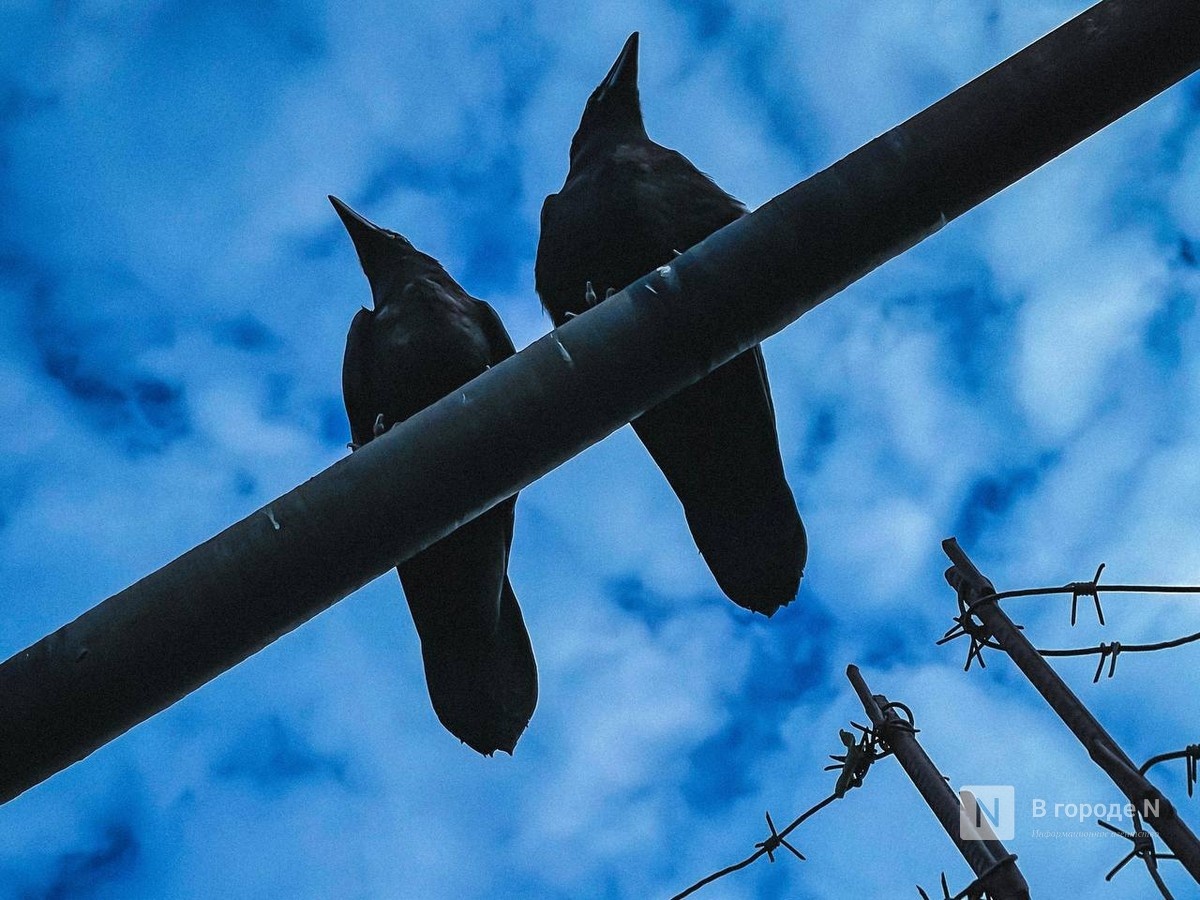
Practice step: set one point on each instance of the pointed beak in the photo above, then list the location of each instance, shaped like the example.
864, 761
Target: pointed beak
362, 231
373, 244
624, 71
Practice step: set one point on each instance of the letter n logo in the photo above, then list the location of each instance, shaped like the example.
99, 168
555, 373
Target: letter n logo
988, 812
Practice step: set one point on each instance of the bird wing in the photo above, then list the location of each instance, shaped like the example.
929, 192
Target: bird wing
618, 220
717, 445
676, 205
716, 441
479, 664
568, 235
356, 378
501, 347
499, 343
660, 178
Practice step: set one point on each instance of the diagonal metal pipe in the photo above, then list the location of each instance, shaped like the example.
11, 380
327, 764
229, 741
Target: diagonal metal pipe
994, 867
151, 644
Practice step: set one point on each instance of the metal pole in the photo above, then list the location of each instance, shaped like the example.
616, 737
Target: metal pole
993, 865
146, 647
974, 590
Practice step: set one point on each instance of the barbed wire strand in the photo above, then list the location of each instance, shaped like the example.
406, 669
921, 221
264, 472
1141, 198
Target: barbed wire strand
765, 848
1191, 753
1143, 849
966, 626
977, 888
853, 765
980, 637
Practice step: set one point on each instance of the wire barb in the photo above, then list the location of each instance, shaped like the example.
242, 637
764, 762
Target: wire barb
945, 890
1143, 849
763, 848
973, 891
775, 841
1190, 754
1087, 589
966, 625
860, 754
1107, 652
976, 594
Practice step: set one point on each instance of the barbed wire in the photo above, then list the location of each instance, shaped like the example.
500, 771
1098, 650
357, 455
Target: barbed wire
852, 767
979, 612
966, 625
862, 751
765, 848
976, 890
1191, 753
1143, 849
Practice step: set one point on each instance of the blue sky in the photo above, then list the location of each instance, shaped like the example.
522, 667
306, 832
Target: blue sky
177, 292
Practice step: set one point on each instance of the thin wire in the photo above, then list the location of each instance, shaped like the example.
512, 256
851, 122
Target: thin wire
1102, 588
1191, 753
1143, 849
1125, 648
1108, 652
757, 854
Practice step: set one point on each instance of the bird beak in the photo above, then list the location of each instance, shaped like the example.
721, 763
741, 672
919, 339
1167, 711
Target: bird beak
624, 71
374, 245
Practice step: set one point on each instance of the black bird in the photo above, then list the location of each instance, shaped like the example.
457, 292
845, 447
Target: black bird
424, 338
628, 206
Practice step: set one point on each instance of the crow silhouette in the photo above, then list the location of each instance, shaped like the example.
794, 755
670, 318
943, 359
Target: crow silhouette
424, 338
628, 206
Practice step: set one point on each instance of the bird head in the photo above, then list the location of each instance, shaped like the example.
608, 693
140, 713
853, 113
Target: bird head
614, 111
389, 260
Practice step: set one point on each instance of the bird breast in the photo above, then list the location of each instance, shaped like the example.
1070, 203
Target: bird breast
427, 351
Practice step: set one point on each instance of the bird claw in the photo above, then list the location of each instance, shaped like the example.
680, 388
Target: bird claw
589, 301
376, 430
589, 297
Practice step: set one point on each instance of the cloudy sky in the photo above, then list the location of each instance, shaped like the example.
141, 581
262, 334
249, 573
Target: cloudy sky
176, 292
